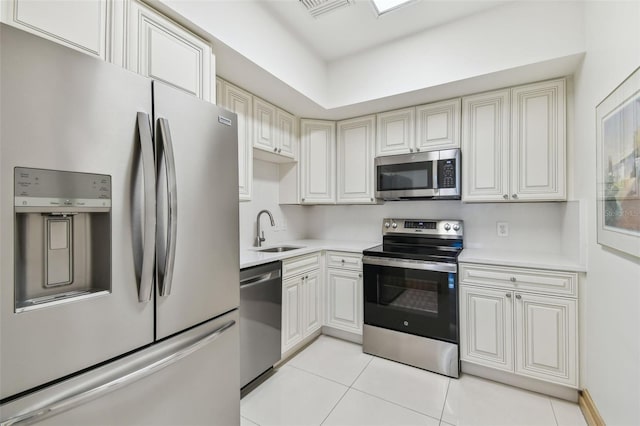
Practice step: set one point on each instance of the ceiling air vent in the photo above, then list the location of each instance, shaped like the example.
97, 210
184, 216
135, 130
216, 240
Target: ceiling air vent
320, 7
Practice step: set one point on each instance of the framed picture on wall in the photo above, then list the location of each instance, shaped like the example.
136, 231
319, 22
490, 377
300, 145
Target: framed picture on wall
618, 167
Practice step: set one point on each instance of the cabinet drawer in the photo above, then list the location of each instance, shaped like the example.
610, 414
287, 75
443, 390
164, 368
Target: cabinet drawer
343, 260
300, 264
531, 280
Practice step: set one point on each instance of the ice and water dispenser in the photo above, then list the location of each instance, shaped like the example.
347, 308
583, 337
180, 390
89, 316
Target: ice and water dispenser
62, 236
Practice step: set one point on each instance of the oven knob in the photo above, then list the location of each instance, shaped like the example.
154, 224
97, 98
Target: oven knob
456, 227
394, 225
447, 226
387, 224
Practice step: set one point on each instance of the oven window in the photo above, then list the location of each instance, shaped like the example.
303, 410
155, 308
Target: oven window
406, 176
409, 293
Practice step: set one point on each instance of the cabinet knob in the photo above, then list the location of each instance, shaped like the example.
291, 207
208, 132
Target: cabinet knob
275, 149
505, 196
512, 279
303, 200
279, 150
342, 260
508, 295
372, 199
514, 196
418, 149
518, 296
360, 275
410, 149
306, 277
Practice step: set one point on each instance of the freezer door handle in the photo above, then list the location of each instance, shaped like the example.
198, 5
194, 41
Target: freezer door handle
82, 397
166, 270
149, 181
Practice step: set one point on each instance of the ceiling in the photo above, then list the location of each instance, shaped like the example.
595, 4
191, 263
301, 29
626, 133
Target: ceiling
356, 27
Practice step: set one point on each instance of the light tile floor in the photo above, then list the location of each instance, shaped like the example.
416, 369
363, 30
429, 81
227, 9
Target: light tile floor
332, 382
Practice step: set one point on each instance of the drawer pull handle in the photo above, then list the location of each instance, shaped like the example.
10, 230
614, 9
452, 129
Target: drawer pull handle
512, 279
518, 297
508, 295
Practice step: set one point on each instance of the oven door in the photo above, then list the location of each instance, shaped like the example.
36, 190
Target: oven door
415, 297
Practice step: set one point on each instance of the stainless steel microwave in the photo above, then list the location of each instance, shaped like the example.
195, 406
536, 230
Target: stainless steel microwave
432, 174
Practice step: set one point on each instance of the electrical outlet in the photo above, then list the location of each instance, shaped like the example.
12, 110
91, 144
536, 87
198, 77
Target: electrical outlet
502, 228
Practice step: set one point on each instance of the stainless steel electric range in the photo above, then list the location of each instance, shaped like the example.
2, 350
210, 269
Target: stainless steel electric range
411, 294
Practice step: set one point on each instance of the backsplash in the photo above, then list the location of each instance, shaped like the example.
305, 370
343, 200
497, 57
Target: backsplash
535, 227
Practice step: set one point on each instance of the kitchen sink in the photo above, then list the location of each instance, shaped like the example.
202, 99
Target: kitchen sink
278, 249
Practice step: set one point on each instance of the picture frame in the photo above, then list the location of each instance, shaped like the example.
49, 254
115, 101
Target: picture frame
618, 167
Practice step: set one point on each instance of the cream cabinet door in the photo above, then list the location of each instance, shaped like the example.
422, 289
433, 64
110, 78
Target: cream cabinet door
81, 25
317, 161
355, 155
546, 338
538, 142
486, 327
344, 305
237, 100
264, 119
312, 301
485, 146
396, 132
161, 49
438, 125
292, 306
286, 133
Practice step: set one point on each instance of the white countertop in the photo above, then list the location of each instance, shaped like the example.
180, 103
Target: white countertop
521, 259
252, 257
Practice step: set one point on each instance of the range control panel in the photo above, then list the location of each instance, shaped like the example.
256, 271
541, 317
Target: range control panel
422, 226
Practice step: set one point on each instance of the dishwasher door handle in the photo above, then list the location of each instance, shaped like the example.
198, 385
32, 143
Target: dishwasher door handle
258, 279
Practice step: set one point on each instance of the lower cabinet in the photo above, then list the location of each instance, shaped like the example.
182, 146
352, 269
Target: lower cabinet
344, 294
301, 300
344, 300
530, 334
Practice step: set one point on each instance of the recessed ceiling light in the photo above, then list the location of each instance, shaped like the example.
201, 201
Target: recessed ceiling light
384, 6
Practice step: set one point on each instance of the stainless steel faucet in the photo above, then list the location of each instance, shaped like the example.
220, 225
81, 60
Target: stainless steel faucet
260, 238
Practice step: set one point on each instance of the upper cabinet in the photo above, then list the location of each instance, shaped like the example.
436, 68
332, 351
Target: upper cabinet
161, 49
514, 144
317, 162
81, 25
275, 132
438, 125
241, 102
396, 132
427, 127
355, 154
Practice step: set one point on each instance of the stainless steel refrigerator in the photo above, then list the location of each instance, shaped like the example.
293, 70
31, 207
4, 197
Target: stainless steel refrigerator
119, 245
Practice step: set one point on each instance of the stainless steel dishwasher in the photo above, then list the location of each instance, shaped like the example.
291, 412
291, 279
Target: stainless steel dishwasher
260, 319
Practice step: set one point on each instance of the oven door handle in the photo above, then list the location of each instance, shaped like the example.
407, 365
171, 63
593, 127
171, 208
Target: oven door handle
410, 264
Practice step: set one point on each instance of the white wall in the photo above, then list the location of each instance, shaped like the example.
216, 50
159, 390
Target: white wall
502, 38
290, 220
611, 296
250, 30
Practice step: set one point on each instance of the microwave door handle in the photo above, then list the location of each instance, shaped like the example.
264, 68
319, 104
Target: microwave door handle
435, 176
149, 182
172, 206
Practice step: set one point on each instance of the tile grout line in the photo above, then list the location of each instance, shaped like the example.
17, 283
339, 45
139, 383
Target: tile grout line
255, 423
360, 374
444, 404
319, 376
395, 403
553, 411
335, 405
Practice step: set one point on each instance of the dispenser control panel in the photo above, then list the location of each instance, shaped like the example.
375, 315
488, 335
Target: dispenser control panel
52, 188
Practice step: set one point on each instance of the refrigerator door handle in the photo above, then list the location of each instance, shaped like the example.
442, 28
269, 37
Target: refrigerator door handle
75, 400
149, 179
172, 205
